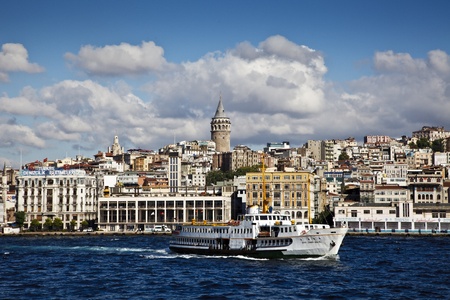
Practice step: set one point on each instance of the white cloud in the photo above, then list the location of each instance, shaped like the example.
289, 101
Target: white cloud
272, 92
12, 135
404, 95
276, 77
123, 59
439, 61
14, 58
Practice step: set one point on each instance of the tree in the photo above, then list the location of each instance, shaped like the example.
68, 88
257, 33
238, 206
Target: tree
423, 143
20, 218
343, 156
73, 223
84, 224
48, 224
214, 176
57, 224
35, 225
438, 145
325, 217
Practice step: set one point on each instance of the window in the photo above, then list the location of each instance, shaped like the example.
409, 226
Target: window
354, 213
379, 212
366, 211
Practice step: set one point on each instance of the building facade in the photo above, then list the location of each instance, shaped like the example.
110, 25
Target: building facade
54, 193
289, 192
135, 213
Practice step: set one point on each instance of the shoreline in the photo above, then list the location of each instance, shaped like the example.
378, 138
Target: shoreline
131, 233
95, 233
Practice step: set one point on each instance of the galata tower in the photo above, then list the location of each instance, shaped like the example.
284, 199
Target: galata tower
221, 129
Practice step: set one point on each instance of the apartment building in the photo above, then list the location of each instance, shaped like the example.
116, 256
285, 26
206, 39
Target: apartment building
289, 192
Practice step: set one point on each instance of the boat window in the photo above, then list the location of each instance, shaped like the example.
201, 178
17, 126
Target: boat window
263, 217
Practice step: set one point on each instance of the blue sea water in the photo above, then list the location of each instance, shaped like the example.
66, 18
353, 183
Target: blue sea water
142, 267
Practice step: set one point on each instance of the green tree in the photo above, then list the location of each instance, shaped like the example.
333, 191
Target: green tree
214, 176
48, 224
412, 145
20, 218
438, 145
35, 225
73, 223
57, 224
325, 217
84, 224
343, 156
423, 143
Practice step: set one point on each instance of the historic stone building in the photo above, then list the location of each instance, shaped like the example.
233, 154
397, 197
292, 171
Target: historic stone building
221, 129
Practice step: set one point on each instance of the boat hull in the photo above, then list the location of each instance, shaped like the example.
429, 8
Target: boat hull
317, 243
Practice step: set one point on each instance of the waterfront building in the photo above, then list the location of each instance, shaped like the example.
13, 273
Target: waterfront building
57, 193
130, 213
290, 192
4, 189
402, 216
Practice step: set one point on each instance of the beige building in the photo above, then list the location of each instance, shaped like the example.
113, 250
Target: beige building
289, 192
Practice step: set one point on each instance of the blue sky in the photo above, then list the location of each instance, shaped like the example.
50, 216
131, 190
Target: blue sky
75, 73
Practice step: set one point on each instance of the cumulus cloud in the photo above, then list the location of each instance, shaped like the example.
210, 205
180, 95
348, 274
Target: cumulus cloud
274, 91
87, 113
14, 58
12, 135
405, 94
123, 59
278, 76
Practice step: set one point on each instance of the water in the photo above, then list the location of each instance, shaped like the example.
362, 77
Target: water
142, 267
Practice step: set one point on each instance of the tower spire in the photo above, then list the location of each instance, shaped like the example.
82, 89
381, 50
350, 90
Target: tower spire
220, 112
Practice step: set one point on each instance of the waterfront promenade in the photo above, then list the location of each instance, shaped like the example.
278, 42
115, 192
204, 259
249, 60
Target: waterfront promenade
78, 233
417, 233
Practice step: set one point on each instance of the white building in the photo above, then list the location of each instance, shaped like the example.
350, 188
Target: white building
55, 193
128, 213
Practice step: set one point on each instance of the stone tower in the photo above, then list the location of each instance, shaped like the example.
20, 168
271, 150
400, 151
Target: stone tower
221, 129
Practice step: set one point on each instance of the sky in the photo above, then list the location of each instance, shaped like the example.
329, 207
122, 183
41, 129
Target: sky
73, 74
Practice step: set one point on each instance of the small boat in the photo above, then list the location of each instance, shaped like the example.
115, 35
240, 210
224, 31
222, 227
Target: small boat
261, 235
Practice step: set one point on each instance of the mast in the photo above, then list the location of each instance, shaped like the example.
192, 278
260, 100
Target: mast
266, 201
308, 197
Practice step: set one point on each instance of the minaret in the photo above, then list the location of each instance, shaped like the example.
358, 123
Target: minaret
221, 129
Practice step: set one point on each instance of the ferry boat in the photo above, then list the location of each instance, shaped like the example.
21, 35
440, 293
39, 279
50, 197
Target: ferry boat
261, 235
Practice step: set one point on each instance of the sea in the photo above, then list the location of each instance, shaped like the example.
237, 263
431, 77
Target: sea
143, 267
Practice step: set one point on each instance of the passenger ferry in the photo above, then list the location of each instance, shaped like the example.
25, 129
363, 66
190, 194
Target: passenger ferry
257, 234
